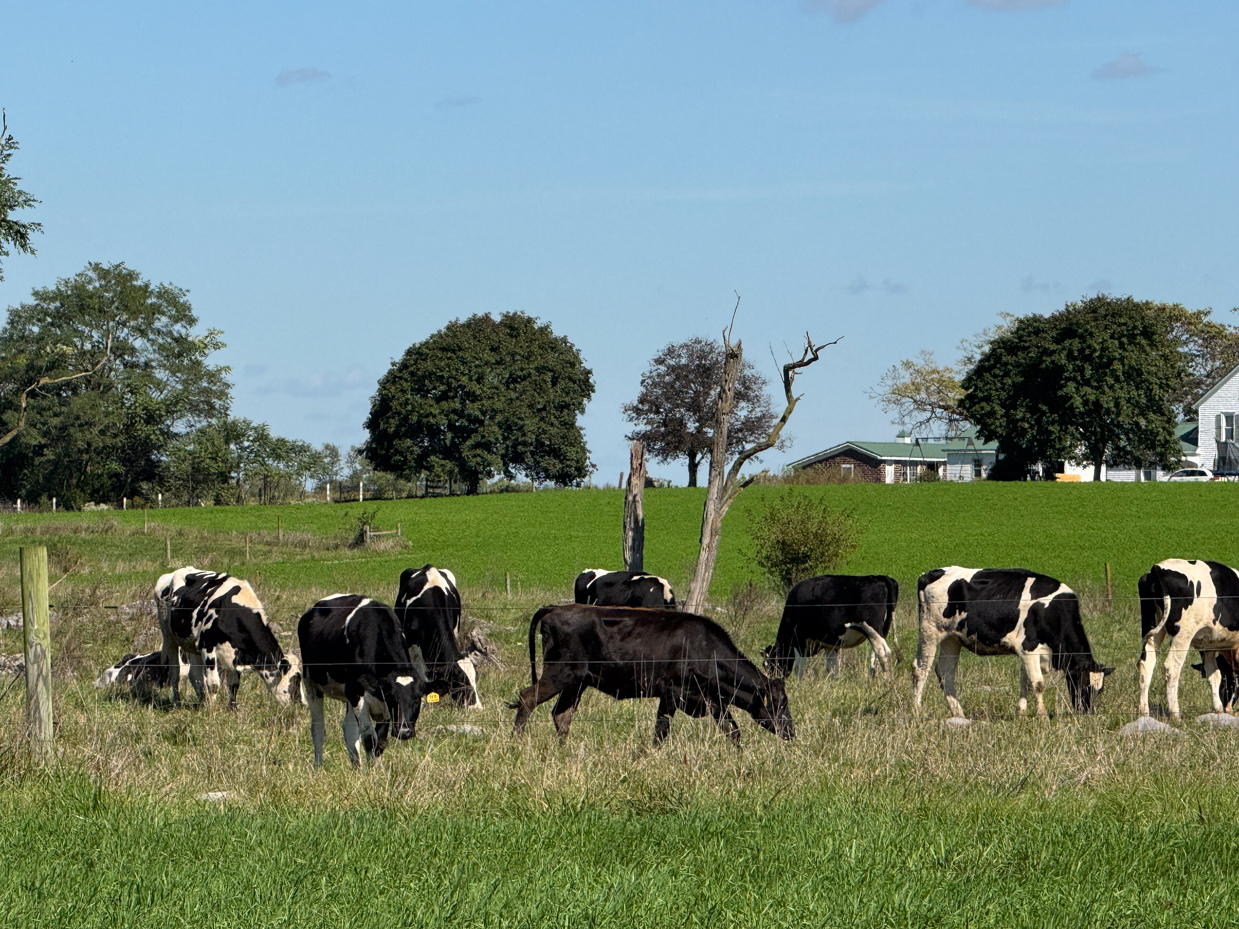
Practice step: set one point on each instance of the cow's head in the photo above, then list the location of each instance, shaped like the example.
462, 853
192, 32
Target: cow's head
403, 695
1085, 681
285, 682
770, 709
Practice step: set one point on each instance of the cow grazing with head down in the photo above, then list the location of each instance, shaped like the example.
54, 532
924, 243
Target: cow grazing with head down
688, 662
428, 606
137, 671
623, 588
833, 612
1196, 605
1004, 611
216, 619
353, 650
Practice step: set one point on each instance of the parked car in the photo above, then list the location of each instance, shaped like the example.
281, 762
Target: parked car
1191, 474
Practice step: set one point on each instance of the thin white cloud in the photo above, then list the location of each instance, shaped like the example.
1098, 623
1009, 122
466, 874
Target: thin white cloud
844, 11
462, 100
1030, 285
859, 285
1014, 5
321, 384
300, 76
1127, 65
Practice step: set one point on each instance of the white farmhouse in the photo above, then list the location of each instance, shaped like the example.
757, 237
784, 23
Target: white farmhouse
1216, 412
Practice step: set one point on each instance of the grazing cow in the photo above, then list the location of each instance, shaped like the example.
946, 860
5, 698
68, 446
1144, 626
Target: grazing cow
835, 611
428, 606
353, 650
996, 611
623, 588
216, 618
688, 662
1196, 604
136, 670
1228, 666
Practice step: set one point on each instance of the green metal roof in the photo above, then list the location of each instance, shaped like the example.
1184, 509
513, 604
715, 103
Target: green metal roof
902, 451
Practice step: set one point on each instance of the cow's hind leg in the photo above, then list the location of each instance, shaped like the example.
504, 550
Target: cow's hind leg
530, 698
926, 649
948, 661
1213, 674
565, 707
1031, 678
318, 726
1146, 664
879, 649
1175, 659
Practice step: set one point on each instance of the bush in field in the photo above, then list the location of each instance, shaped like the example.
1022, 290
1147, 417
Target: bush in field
795, 537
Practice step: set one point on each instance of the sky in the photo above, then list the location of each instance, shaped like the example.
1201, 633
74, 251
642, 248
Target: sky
334, 182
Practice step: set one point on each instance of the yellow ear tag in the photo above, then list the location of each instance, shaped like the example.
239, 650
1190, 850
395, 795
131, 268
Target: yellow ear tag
432, 697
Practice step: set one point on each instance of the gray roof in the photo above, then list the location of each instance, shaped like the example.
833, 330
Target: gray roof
883, 451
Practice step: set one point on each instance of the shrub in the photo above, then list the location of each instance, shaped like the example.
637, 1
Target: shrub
828, 473
795, 537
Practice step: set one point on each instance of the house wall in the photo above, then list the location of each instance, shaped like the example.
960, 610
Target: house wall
959, 464
1226, 400
864, 470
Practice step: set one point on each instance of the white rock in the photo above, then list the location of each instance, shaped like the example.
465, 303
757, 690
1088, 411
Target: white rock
214, 796
957, 722
1219, 721
1147, 725
461, 730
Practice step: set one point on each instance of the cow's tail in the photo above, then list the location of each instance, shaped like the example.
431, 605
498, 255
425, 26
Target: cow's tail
892, 600
533, 644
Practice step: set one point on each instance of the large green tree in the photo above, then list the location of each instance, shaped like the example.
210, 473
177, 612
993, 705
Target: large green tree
102, 433
13, 232
1094, 382
674, 410
483, 397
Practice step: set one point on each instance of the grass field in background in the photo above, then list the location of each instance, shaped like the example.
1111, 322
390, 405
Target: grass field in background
874, 815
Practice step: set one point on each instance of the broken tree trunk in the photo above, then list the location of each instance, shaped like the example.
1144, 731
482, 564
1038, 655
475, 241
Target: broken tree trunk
722, 490
634, 514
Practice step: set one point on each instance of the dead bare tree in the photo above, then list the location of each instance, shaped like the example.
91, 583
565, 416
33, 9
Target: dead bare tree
723, 488
47, 382
634, 512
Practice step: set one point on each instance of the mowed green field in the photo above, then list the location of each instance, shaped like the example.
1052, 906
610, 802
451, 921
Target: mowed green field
876, 815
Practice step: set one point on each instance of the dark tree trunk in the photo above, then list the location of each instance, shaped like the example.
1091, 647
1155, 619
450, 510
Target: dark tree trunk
693, 461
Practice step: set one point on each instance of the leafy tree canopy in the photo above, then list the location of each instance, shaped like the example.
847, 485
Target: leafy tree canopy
1094, 382
674, 410
102, 436
483, 397
13, 232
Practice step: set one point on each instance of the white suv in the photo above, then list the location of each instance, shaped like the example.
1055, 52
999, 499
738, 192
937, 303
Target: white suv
1191, 474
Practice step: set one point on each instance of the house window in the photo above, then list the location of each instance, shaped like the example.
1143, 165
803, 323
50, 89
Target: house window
1228, 427
976, 469
846, 471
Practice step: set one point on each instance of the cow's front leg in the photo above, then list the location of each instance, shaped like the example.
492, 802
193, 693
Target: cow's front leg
197, 675
318, 725
1146, 664
948, 661
371, 739
565, 707
1032, 678
662, 725
1175, 659
352, 734
926, 648
1213, 674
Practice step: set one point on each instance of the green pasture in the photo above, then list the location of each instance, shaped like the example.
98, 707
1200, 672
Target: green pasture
876, 815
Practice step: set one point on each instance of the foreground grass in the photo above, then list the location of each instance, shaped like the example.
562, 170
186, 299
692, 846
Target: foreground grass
874, 815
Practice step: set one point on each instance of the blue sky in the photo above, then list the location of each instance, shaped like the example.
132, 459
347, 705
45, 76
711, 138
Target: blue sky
333, 182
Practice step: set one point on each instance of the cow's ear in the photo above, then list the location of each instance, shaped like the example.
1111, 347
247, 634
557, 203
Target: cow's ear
1107, 671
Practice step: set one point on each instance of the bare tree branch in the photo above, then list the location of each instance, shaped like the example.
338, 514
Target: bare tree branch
47, 382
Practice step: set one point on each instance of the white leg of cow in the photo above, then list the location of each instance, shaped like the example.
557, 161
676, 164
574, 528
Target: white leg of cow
948, 661
926, 648
1213, 674
881, 651
367, 734
318, 723
799, 663
197, 675
471, 672
1024, 683
352, 735
1148, 661
1175, 659
1030, 670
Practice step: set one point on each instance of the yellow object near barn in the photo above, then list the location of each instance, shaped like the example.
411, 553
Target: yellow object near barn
1067, 478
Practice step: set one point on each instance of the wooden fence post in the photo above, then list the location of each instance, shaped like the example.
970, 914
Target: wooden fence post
279, 528
1109, 591
167, 549
247, 548
634, 513
146, 525
36, 625
507, 583
399, 531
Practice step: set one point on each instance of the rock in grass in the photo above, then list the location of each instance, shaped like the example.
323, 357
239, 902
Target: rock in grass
1219, 721
461, 730
957, 722
1147, 725
214, 796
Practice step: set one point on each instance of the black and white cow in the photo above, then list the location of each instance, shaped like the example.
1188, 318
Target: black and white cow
688, 662
1004, 611
833, 612
352, 650
136, 670
623, 588
428, 606
1196, 605
216, 619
